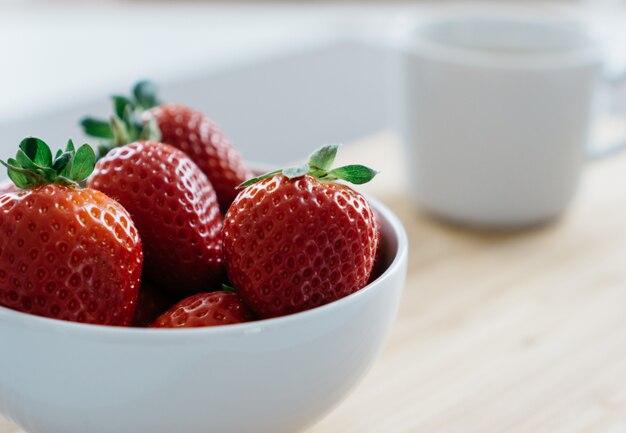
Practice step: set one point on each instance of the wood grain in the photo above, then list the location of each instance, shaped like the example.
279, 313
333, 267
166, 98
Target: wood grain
500, 332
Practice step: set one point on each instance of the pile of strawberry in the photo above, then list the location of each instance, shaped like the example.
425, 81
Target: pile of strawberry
167, 227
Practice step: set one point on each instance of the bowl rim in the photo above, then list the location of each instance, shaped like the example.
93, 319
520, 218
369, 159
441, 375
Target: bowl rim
64, 326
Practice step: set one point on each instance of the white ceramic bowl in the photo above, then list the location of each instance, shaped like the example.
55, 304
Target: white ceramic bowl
271, 376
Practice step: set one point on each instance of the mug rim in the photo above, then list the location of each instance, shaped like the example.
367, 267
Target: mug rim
417, 42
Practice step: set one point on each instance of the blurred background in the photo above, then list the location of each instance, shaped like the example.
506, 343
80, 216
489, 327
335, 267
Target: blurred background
279, 77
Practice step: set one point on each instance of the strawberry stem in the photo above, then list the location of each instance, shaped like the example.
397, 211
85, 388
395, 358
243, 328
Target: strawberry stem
319, 167
33, 164
145, 93
131, 121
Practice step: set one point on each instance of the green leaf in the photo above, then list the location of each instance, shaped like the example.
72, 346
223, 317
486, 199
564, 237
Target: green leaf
61, 161
357, 174
20, 177
324, 157
29, 147
37, 151
68, 168
23, 160
127, 123
227, 288
259, 178
318, 167
121, 104
20, 180
96, 127
293, 172
83, 163
145, 94
33, 164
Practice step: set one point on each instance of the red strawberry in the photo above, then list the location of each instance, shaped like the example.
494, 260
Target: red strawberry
174, 208
151, 303
293, 240
65, 252
8, 186
205, 309
182, 127
380, 259
201, 138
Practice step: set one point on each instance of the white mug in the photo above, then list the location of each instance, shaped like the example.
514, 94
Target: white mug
496, 113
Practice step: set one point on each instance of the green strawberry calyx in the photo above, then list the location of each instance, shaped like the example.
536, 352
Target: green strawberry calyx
227, 288
34, 165
319, 167
131, 120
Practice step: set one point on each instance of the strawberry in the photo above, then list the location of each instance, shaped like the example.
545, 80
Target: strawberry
201, 138
174, 208
65, 252
184, 128
380, 259
205, 309
294, 239
151, 303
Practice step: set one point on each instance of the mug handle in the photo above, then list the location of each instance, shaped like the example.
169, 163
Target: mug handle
611, 124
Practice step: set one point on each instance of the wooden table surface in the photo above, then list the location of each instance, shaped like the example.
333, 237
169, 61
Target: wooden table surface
510, 332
